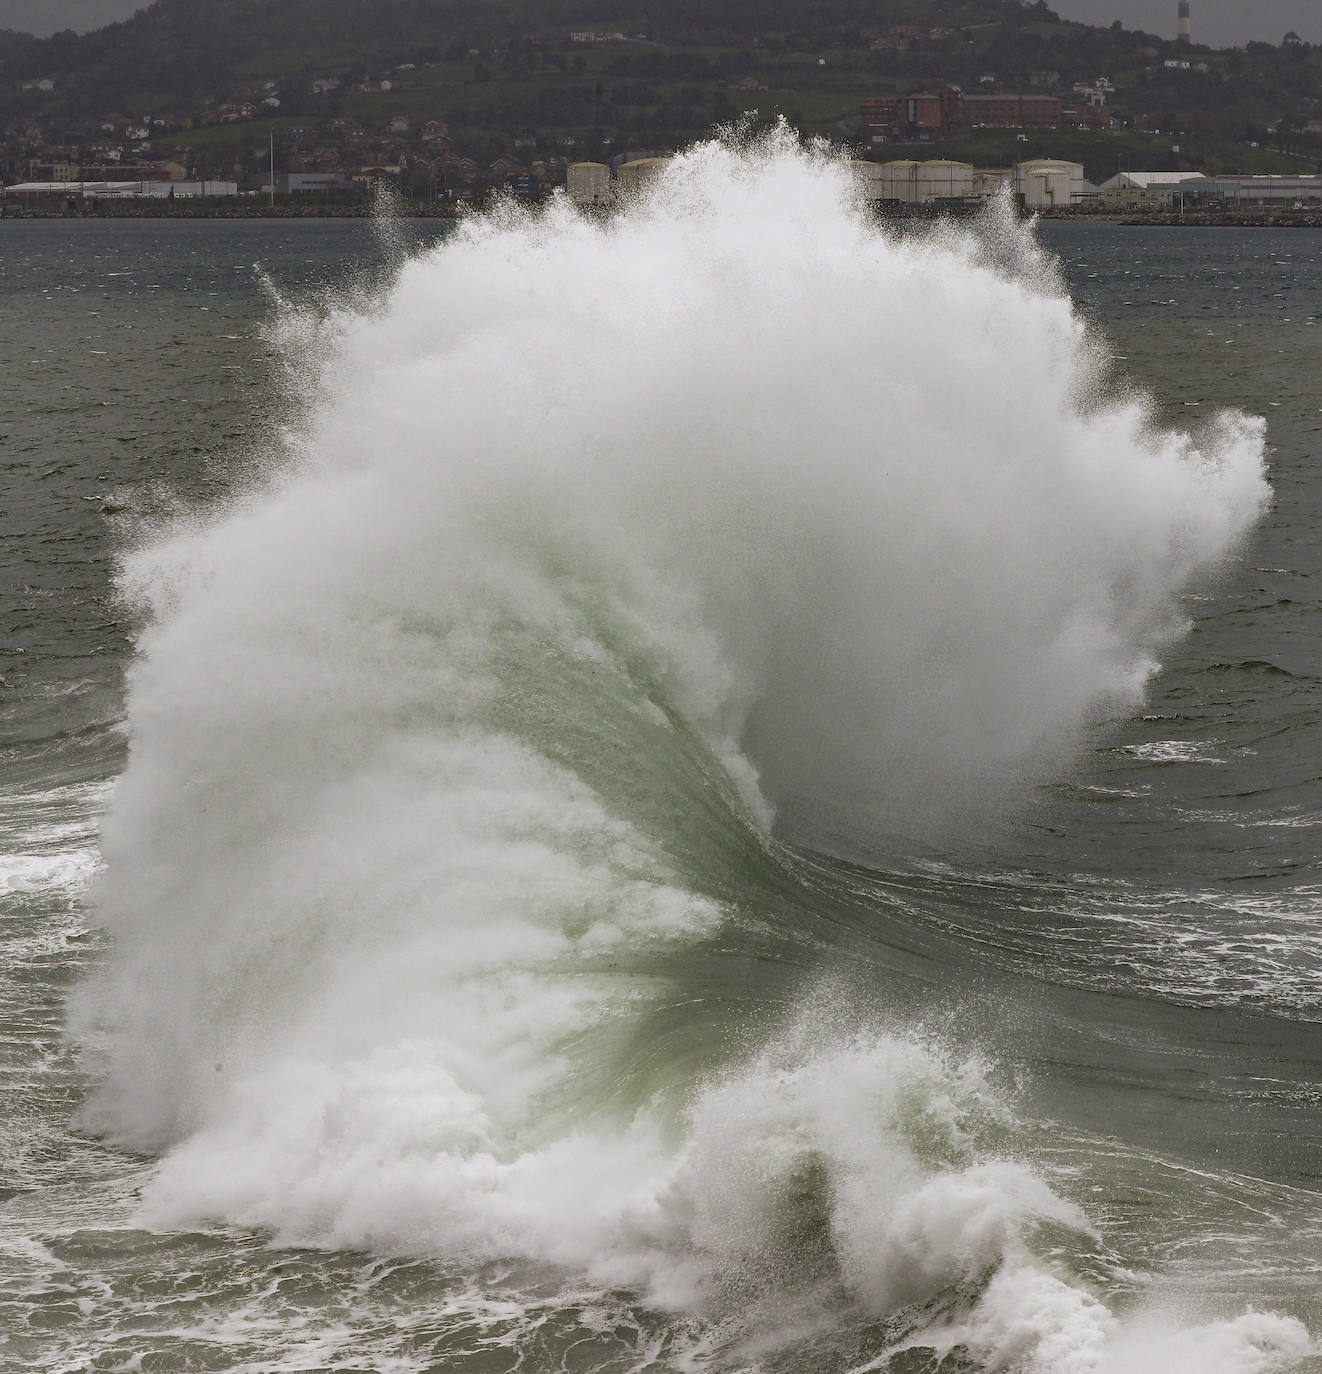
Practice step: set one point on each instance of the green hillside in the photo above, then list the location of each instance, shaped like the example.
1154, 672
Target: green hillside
510, 76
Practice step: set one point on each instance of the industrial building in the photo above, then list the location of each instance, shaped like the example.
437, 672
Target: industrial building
1281, 191
1151, 190
125, 190
1187, 190
305, 183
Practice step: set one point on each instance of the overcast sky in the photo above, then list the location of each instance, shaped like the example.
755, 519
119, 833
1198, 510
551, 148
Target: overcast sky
44, 17
1222, 23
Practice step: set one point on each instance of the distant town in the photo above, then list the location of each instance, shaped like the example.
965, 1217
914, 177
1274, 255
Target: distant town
1065, 117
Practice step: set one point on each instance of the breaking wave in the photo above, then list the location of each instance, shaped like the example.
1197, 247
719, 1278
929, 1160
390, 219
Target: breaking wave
595, 559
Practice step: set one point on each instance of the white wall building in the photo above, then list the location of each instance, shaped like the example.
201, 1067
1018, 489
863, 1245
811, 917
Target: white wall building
126, 190
1282, 191
1145, 181
160, 190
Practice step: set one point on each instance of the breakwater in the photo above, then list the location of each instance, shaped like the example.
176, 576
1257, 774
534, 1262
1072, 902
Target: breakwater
1259, 218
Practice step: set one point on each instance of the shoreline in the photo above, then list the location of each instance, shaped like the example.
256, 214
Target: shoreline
1197, 219
141, 211
1259, 218
1189, 219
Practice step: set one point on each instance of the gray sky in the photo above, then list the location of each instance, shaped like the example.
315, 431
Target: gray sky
1221, 23
44, 17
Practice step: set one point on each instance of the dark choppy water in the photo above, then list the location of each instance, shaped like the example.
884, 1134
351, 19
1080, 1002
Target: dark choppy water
1043, 1096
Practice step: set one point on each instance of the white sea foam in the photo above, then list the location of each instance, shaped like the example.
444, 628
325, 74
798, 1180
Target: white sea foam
590, 547
29, 873
1175, 751
1254, 1343
48, 839
1031, 1322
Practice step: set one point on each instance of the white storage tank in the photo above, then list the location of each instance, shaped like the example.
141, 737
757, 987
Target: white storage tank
898, 180
1048, 183
989, 182
870, 177
939, 179
631, 177
588, 183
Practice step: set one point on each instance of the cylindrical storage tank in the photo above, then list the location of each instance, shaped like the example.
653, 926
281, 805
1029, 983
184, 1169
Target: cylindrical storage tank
631, 177
1058, 187
1048, 181
588, 183
1033, 188
989, 181
898, 181
870, 178
942, 180
1047, 188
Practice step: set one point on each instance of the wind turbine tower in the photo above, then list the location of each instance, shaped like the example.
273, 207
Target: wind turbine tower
1184, 22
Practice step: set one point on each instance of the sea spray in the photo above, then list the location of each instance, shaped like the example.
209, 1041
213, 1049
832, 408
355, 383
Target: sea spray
592, 547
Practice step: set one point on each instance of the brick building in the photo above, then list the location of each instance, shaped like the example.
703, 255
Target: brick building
922, 113
1008, 110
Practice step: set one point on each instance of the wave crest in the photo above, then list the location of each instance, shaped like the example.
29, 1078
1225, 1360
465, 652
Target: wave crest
591, 545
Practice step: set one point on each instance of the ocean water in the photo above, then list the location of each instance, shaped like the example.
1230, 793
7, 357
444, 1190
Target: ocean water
734, 790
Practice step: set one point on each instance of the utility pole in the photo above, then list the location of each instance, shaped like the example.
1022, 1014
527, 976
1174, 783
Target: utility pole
272, 187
